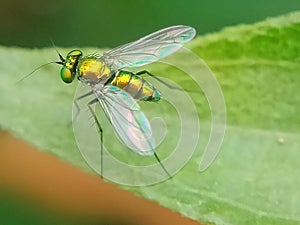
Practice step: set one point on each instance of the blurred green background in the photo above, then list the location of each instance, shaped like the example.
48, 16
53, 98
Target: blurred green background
107, 23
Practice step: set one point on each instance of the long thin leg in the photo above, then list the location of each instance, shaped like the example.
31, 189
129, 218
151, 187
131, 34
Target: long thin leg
156, 156
76, 104
100, 129
145, 72
94, 101
162, 166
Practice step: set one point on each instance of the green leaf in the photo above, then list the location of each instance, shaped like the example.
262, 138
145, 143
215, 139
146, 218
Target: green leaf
255, 177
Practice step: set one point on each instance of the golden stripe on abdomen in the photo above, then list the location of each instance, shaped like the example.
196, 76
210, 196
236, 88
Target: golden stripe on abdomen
136, 86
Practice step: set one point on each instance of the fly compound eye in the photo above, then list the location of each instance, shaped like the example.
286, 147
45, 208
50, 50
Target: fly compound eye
75, 54
66, 75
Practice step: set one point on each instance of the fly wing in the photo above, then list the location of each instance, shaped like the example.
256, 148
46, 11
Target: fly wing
129, 122
150, 48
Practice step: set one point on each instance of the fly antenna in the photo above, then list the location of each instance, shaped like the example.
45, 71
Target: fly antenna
60, 56
61, 62
36, 69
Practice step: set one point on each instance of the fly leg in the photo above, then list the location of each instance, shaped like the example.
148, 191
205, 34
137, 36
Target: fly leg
100, 130
94, 101
76, 104
145, 72
162, 165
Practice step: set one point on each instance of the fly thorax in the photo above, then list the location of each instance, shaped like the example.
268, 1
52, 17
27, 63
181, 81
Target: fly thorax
91, 70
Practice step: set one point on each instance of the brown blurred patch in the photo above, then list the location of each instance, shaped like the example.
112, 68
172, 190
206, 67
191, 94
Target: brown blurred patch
57, 186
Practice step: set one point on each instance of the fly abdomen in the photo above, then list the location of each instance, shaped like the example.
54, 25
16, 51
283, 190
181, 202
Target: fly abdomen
136, 86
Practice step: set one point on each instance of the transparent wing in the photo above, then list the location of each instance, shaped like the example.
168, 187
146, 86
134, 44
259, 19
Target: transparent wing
150, 48
129, 122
